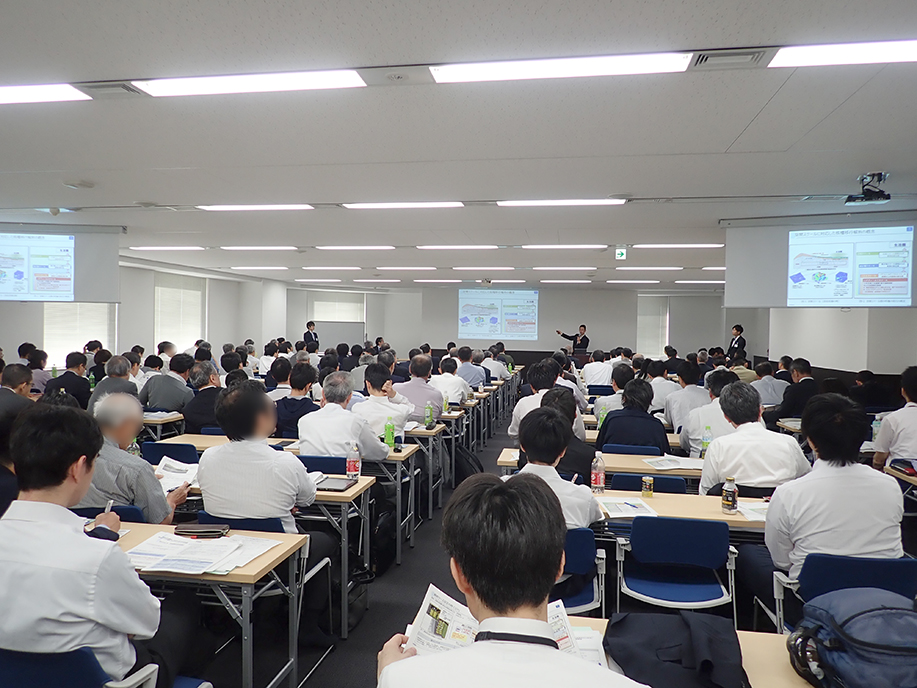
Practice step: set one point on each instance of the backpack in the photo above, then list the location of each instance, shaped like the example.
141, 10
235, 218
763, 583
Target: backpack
466, 464
857, 637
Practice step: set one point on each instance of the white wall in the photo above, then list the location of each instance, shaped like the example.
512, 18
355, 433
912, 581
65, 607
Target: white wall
756, 322
695, 322
135, 314
892, 337
828, 338
224, 314
20, 322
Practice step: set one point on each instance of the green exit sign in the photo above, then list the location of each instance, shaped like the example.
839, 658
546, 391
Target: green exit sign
620, 254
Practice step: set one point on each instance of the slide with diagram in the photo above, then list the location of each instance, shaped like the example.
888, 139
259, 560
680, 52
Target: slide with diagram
497, 314
36, 267
850, 267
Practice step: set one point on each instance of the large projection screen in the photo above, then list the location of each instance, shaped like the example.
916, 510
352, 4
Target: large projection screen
497, 314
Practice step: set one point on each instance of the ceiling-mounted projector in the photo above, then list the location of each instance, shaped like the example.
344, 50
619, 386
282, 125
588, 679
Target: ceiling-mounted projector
871, 193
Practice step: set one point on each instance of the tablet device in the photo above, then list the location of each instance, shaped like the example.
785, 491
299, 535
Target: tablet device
336, 484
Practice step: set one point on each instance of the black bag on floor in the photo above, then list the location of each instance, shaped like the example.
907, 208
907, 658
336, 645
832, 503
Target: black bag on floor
383, 531
466, 464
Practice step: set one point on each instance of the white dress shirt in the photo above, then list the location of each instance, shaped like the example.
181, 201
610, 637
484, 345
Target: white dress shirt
377, 411
281, 391
64, 590
532, 402
613, 402
897, 435
579, 506
333, 430
253, 362
679, 404
249, 479
315, 359
597, 373
852, 511
771, 390
454, 388
755, 457
497, 370
265, 363
692, 432
662, 388
502, 663
581, 402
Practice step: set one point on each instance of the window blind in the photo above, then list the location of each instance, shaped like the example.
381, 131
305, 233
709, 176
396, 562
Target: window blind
178, 310
340, 307
68, 326
652, 325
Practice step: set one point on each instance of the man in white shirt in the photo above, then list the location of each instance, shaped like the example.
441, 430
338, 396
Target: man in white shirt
384, 402
165, 351
753, 455
596, 372
62, 590
679, 404
842, 507
897, 438
454, 388
280, 371
770, 388
662, 386
620, 376
271, 351
419, 391
711, 415
314, 356
541, 376
333, 430
489, 524
497, 369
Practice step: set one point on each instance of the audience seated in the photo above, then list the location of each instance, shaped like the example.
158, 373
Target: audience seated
566, 378
680, 403
9, 487
496, 368
169, 392
796, 396
577, 459
72, 380
419, 391
280, 373
314, 356
402, 369
710, 415
343, 354
753, 455
468, 371
620, 376
117, 381
360, 370
200, 411
633, 425
783, 369
120, 476
897, 437
454, 388
165, 351
867, 391
271, 351
38, 359
596, 372
298, 403
672, 361
15, 387
383, 403
25, 349
662, 386
739, 366
542, 376
101, 357
770, 388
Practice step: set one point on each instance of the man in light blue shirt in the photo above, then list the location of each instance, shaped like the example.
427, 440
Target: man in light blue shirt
468, 371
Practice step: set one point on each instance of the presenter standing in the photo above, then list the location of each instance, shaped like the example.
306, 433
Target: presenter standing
310, 335
737, 344
580, 341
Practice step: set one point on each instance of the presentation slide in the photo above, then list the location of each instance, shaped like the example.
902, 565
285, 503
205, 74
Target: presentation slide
495, 314
850, 267
36, 267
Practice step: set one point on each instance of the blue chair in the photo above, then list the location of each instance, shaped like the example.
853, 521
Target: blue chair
128, 513
579, 479
600, 390
582, 558
674, 563
630, 449
75, 669
632, 482
329, 465
823, 573
154, 452
212, 430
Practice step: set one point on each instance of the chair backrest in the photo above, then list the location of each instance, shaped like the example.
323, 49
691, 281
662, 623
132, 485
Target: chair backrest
265, 525
569, 477
744, 491
679, 541
329, 465
212, 430
823, 573
128, 513
155, 451
74, 669
600, 390
579, 551
661, 483
631, 449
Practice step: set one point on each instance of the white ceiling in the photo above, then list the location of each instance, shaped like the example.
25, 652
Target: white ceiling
699, 134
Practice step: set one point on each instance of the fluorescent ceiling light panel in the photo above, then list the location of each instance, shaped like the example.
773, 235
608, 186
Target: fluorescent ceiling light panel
700, 281
631, 281
317, 280
329, 267
250, 83
562, 68
486, 269
259, 267
403, 206
258, 248
240, 208
406, 267
718, 269
367, 281
505, 281
566, 281
458, 247
166, 248
438, 281
678, 245
41, 93
355, 248
656, 268
585, 247
579, 269
845, 54
562, 202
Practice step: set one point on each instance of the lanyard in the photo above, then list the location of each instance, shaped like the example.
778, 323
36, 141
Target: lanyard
516, 638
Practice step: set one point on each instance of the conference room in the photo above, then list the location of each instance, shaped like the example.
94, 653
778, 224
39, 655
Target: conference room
310, 313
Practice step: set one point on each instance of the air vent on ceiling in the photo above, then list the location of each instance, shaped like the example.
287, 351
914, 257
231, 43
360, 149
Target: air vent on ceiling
109, 90
748, 58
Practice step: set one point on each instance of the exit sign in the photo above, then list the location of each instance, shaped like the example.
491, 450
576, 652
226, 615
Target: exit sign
620, 254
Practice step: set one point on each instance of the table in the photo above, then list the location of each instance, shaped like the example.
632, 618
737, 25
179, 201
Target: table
473, 406
293, 548
793, 425
427, 440
452, 419
614, 463
764, 656
155, 424
703, 507
483, 411
910, 492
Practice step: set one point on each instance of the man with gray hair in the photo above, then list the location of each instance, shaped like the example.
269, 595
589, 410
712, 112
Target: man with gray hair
333, 430
122, 477
360, 370
117, 380
200, 411
753, 455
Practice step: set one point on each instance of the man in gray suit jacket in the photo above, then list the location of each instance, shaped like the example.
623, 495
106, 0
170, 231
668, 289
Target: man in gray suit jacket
169, 391
14, 394
117, 380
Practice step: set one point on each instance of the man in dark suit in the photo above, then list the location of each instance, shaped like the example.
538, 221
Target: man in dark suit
580, 341
73, 380
738, 342
868, 392
577, 460
783, 369
200, 411
16, 384
310, 335
796, 396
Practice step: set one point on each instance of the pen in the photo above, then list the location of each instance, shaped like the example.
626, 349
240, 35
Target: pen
632, 506
109, 505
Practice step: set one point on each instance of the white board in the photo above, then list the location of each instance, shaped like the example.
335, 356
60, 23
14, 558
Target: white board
330, 334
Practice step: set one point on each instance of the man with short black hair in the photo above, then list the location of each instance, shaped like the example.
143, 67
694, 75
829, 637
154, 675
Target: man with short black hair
897, 437
310, 336
620, 376
541, 377
737, 344
505, 541
468, 371
169, 392
770, 388
672, 361
271, 351
92, 347
796, 396
165, 351
298, 403
633, 425
868, 391
419, 391
280, 372
384, 403
72, 380
200, 412
661, 384
452, 387
117, 380
709, 415
596, 372
15, 386
580, 340
680, 403
739, 365
783, 369
577, 460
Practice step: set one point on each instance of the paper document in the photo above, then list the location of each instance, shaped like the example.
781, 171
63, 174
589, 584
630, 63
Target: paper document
197, 557
795, 423
161, 415
669, 463
590, 645
625, 507
155, 548
174, 474
249, 549
317, 476
412, 425
754, 512
868, 448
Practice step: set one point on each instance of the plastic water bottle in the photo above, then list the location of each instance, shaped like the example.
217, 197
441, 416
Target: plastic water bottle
54, 371
481, 388
428, 414
134, 448
354, 463
445, 404
705, 441
876, 424
598, 474
92, 381
602, 413
730, 496
390, 432
510, 366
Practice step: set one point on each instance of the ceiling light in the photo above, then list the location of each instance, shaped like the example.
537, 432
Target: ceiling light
561, 68
566, 281
355, 248
259, 267
585, 247
41, 93
329, 267
718, 269
846, 54
407, 267
562, 202
258, 248
239, 208
317, 280
166, 248
678, 245
657, 268
700, 281
489, 269
631, 281
251, 83
395, 206
439, 281
366, 281
458, 247
565, 268
505, 281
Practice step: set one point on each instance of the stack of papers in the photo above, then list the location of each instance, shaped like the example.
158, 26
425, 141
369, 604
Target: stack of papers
249, 549
625, 507
669, 463
173, 474
162, 415
795, 423
590, 645
168, 552
754, 512
412, 425
868, 448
